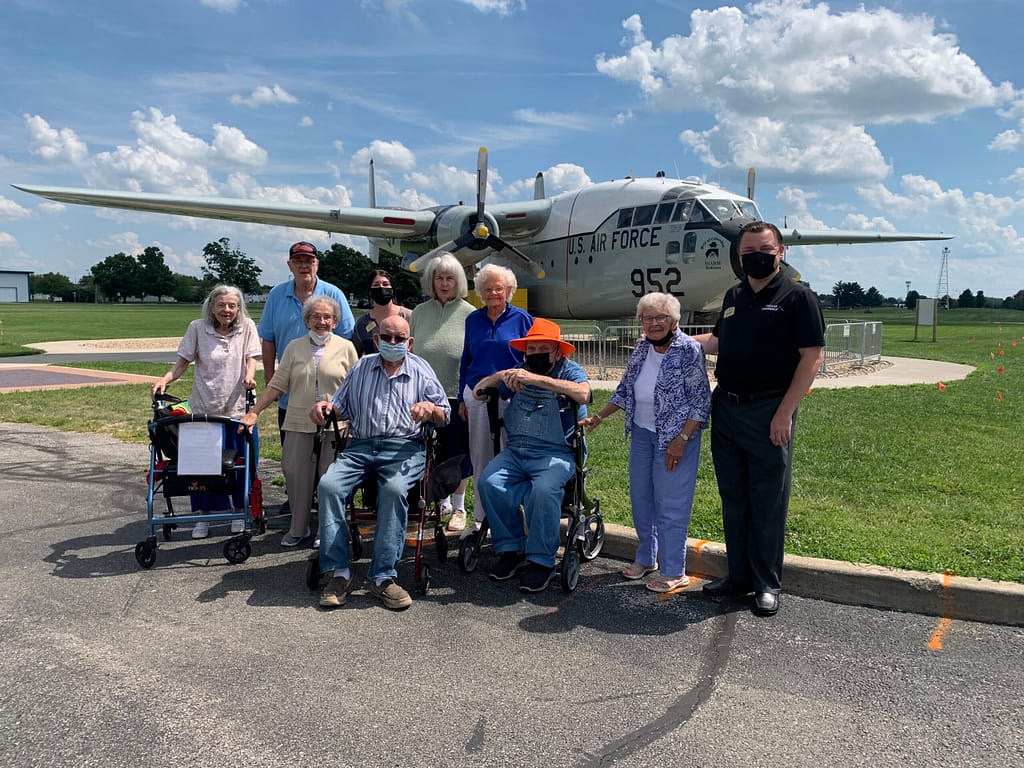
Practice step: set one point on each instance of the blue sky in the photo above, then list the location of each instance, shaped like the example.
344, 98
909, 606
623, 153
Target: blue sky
905, 115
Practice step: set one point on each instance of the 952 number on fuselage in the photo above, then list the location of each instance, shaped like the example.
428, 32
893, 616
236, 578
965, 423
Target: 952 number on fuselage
656, 280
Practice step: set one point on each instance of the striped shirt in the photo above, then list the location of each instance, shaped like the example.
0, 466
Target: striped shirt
377, 405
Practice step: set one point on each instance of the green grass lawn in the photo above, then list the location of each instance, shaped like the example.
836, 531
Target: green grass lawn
909, 477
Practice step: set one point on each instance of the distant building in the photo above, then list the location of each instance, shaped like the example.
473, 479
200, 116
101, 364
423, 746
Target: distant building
14, 286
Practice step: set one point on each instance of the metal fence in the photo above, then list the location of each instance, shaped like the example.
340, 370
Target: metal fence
605, 349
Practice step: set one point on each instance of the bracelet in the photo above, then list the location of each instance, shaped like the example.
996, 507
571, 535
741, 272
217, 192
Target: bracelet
599, 417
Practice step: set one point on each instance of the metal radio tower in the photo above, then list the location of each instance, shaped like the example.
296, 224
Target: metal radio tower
942, 292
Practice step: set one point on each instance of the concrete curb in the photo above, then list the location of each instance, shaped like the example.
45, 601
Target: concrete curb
929, 594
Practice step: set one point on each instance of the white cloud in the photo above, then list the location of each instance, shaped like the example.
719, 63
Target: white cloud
7, 240
793, 63
231, 145
55, 145
500, 7
263, 95
224, 6
385, 154
305, 121
10, 210
572, 120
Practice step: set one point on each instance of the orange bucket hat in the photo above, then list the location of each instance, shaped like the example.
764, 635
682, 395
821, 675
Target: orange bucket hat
543, 330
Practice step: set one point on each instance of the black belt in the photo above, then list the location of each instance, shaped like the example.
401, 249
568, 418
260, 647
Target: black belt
750, 397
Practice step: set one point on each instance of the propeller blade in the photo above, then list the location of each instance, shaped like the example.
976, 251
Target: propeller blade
374, 250
538, 186
496, 243
419, 263
481, 182
750, 183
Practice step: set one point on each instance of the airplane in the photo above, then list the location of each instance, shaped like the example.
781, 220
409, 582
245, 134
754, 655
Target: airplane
586, 254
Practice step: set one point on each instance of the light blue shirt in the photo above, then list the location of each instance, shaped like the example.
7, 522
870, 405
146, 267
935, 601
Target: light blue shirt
378, 405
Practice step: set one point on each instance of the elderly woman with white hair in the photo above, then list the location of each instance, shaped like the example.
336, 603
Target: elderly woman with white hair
439, 327
311, 369
486, 350
224, 346
667, 399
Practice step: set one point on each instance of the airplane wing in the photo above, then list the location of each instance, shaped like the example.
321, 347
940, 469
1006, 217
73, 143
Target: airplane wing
369, 222
848, 236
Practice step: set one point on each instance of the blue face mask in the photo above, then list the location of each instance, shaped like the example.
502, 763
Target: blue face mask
391, 352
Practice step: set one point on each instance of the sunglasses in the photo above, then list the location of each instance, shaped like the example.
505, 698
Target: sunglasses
392, 339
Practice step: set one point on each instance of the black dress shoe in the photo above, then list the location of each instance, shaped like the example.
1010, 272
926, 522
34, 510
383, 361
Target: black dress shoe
766, 603
724, 588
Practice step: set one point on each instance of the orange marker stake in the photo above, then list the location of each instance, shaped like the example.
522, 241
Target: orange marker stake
935, 643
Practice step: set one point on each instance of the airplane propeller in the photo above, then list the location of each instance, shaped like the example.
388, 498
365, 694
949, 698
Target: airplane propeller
479, 235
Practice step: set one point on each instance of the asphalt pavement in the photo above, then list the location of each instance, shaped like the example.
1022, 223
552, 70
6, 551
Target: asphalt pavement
201, 662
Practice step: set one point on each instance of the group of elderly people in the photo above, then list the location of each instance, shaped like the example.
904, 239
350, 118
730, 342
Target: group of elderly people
386, 393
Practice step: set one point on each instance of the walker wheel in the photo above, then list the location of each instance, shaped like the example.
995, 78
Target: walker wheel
357, 542
313, 573
168, 527
423, 584
440, 544
145, 553
237, 550
469, 555
593, 538
570, 570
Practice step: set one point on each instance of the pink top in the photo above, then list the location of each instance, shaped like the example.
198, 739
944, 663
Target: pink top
220, 366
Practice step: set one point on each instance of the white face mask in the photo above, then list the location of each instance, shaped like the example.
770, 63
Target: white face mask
317, 339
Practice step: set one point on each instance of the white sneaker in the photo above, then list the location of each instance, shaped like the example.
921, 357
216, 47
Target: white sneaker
237, 526
457, 521
470, 530
200, 530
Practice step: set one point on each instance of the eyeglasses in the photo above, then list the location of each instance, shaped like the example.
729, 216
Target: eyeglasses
303, 259
392, 339
316, 318
494, 289
654, 319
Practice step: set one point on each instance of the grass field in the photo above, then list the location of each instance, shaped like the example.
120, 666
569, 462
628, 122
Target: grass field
910, 477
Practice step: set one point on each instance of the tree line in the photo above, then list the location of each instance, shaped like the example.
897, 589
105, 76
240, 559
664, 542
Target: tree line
851, 296
122, 277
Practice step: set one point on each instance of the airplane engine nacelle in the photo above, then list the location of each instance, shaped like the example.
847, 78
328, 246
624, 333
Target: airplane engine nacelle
456, 221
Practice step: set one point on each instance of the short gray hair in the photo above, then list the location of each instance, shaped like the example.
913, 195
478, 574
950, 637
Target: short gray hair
663, 303
444, 264
211, 300
492, 272
319, 298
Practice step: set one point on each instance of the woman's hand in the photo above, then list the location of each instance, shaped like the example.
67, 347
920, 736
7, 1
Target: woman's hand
249, 382
590, 423
158, 388
463, 413
248, 421
674, 453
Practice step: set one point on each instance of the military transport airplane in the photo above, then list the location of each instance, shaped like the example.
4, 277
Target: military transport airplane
585, 254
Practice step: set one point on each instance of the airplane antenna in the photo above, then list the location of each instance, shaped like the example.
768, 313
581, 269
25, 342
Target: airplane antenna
942, 291
676, 164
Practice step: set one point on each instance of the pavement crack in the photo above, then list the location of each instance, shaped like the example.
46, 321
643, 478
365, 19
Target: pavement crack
682, 709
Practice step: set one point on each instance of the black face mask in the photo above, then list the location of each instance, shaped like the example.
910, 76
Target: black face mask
758, 264
539, 362
382, 296
663, 340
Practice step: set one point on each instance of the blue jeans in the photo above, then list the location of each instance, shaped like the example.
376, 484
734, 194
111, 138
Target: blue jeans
662, 501
535, 479
398, 464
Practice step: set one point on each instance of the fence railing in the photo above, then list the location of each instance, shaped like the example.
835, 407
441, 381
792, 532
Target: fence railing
606, 348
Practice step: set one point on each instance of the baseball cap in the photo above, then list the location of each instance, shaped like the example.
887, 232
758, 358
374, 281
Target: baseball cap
302, 249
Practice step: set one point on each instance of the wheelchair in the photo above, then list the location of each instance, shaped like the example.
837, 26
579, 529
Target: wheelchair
585, 532
439, 479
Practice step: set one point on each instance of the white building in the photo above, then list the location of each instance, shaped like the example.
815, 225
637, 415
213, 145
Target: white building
14, 286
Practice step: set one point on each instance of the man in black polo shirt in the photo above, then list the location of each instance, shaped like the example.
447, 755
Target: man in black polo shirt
769, 340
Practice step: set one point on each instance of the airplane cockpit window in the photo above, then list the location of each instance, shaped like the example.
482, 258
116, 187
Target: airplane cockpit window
723, 210
749, 209
682, 211
664, 214
625, 217
644, 215
700, 214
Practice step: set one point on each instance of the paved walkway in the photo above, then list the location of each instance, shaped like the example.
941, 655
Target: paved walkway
851, 583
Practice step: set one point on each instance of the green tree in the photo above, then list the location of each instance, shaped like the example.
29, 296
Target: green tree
347, 268
117, 277
188, 289
155, 277
54, 284
979, 300
911, 300
873, 297
966, 298
848, 294
225, 264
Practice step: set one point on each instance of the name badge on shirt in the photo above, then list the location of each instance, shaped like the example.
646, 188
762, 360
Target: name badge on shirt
729, 312
371, 325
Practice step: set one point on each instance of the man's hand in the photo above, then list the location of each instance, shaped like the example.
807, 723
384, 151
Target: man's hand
517, 379
248, 421
321, 409
423, 411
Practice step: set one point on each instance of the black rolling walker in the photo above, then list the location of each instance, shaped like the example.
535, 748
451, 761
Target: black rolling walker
584, 536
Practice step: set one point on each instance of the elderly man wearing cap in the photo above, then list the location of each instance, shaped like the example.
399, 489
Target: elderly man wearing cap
281, 322
547, 396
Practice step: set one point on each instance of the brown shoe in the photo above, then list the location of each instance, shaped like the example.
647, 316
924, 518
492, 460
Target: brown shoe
334, 594
393, 596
